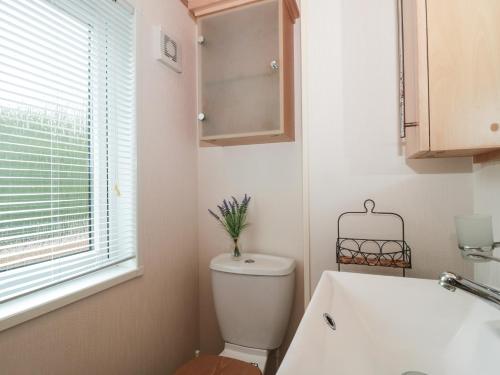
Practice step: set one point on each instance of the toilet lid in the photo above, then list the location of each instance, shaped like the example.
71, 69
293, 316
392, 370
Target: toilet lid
217, 365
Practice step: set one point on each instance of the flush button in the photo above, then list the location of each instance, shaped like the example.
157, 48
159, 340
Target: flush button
494, 127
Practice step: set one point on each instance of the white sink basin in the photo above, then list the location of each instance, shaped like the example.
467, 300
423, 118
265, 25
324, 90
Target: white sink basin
392, 325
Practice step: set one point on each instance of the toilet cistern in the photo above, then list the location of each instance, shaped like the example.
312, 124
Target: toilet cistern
253, 300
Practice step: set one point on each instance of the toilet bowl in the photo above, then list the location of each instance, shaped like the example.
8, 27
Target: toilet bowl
253, 297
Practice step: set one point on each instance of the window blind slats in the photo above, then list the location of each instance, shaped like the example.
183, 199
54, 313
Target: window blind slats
64, 273
79, 20
13, 52
44, 202
74, 141
29, 229
64, 276
25, 51
52, 33
80, 226
50, 111
118, 19
64, 269
9, 172
67, 141
17, 44
68, 233
73, 244
17, 275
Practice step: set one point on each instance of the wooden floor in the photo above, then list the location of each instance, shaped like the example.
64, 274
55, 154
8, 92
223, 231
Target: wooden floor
217, 365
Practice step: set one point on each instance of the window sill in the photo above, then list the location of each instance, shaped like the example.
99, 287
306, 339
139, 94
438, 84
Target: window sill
33, 305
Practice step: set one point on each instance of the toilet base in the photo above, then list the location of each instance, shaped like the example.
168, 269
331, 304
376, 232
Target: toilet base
250, 355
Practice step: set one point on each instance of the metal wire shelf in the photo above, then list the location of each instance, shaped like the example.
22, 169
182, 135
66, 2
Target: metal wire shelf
394, 253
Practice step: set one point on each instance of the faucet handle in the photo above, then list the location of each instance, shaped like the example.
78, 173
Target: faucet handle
447, 280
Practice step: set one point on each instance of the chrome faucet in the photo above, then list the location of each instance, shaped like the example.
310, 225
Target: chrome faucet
451, 282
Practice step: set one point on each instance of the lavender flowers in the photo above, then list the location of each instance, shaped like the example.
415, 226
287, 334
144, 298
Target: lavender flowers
232, 216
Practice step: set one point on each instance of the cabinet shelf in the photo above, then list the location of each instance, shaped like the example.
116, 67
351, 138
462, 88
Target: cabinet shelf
235, 80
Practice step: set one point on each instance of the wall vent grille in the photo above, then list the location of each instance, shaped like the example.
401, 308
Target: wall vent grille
168, 50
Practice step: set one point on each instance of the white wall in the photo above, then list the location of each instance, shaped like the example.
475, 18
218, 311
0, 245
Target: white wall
487, 201
351, 89
272, 175
148, 325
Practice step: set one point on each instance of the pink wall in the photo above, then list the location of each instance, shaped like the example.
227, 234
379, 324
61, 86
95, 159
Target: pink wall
148, 325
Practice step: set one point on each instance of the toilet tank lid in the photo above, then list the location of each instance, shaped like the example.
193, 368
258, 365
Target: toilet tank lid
253, 264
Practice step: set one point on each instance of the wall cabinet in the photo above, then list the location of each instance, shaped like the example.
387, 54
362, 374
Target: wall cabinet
450, 79
245, 71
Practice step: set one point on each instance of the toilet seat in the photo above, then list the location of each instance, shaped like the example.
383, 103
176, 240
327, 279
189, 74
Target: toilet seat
217, 365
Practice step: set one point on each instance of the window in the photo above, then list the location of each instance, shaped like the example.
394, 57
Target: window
67, 141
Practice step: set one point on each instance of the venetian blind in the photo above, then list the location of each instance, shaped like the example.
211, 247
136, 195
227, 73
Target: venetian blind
67, 141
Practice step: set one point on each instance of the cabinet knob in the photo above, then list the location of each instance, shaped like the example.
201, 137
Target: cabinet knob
274, 65
201, 39
201, 116
494, 127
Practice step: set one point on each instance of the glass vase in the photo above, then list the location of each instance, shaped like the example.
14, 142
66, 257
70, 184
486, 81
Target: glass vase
236, 251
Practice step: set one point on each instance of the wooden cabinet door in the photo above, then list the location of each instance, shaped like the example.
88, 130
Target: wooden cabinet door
414, 43
464, 74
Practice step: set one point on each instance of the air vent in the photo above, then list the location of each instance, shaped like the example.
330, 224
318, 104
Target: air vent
168, 50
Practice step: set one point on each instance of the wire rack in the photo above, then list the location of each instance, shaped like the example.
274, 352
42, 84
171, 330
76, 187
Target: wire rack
394, 253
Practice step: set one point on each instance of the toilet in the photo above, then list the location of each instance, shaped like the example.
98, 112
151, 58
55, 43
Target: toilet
253, 297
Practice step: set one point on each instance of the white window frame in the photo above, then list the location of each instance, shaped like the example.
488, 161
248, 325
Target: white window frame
35, 304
